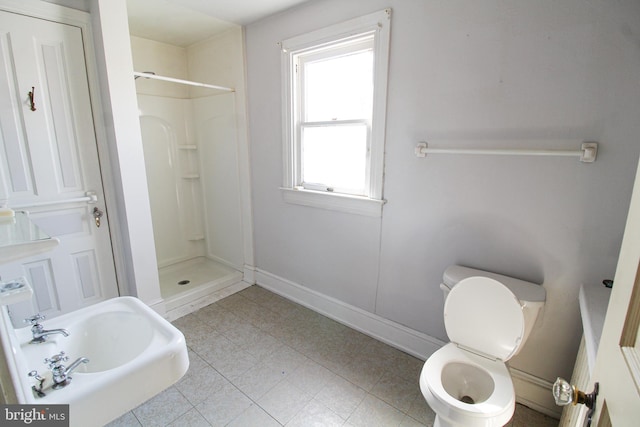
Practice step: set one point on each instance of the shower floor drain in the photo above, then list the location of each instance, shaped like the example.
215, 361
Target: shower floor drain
184, 282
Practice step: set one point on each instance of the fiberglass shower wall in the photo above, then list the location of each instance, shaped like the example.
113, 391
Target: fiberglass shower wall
191, 158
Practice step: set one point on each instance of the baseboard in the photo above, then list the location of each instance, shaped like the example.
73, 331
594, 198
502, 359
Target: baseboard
534, 393
204, 301
158, 306
531, 391
249, 272
412, 342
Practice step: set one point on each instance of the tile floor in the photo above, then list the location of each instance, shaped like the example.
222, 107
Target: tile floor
258, 359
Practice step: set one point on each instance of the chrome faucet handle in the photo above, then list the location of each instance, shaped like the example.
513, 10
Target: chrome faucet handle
59, 372
35, 375
35, 318
56, 360
37, 389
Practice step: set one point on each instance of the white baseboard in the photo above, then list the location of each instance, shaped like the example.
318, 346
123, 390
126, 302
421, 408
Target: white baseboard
249, 272
531, 391
534, 393
408, 340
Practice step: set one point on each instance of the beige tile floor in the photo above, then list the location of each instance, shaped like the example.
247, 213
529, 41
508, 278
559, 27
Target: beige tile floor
258, 359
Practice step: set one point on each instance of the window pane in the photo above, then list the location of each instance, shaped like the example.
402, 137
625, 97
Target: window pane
335, 156
339, 88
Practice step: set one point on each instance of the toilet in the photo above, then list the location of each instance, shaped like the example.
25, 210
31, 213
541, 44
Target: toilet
488, 318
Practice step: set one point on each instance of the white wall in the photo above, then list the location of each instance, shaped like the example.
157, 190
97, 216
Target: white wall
221, 61
176, 114
166, 122
174, 192
467, 70
126, 188
163, 59
216, 133
133, 234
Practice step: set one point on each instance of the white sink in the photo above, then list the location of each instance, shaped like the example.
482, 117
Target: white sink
133, 354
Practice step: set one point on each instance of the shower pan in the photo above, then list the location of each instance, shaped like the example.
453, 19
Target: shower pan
191, 160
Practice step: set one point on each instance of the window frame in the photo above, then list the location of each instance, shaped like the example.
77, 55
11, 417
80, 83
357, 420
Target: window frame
378, 25
342, 48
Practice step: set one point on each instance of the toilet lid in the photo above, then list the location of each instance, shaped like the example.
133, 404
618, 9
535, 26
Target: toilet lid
484, 316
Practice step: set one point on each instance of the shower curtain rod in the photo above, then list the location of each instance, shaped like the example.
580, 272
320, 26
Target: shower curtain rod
184, 82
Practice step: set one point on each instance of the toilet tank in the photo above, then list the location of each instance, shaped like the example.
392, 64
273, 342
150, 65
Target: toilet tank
531, 295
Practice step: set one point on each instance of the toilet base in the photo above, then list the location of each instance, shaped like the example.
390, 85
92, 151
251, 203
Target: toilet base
438, 422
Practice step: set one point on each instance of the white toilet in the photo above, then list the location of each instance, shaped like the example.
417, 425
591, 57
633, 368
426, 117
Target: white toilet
488, 318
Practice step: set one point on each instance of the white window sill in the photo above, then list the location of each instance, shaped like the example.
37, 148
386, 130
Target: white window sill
335, 202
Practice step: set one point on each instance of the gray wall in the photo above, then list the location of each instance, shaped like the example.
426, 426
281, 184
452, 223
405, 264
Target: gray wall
475, 70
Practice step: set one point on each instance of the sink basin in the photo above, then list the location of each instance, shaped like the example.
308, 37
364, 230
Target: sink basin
109, 340
133, 354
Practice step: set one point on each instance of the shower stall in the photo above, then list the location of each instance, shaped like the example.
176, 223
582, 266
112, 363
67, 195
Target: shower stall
191, 136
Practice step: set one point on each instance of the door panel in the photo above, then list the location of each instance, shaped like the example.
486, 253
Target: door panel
60, 134
48, 58
616, 370
16, 166
40, 275
50, 156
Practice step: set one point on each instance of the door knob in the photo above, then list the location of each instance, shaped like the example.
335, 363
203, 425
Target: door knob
97, 214
565, 393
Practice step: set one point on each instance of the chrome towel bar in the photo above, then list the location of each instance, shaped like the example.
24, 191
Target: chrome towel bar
90, 198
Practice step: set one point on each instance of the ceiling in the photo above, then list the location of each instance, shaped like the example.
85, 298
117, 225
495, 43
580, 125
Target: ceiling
184, 22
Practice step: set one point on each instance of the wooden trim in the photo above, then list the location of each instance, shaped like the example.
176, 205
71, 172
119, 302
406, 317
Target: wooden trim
605, 419
632, 321
629, 336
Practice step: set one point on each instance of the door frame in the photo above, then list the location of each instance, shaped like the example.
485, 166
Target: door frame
617, 367
82, 20
131, 238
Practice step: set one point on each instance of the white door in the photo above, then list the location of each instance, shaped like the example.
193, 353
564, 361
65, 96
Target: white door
49, 160
617, 366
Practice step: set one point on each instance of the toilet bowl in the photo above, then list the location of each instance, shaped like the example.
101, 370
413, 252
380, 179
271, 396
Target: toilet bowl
465, 389
467, 382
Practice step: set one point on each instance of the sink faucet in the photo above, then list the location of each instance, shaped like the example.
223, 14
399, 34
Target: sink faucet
39, 333
60, 372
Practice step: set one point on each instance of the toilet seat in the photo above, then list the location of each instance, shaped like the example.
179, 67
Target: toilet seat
498, 407
484, 316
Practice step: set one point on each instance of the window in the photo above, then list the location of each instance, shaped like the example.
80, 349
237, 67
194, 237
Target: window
334, 97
